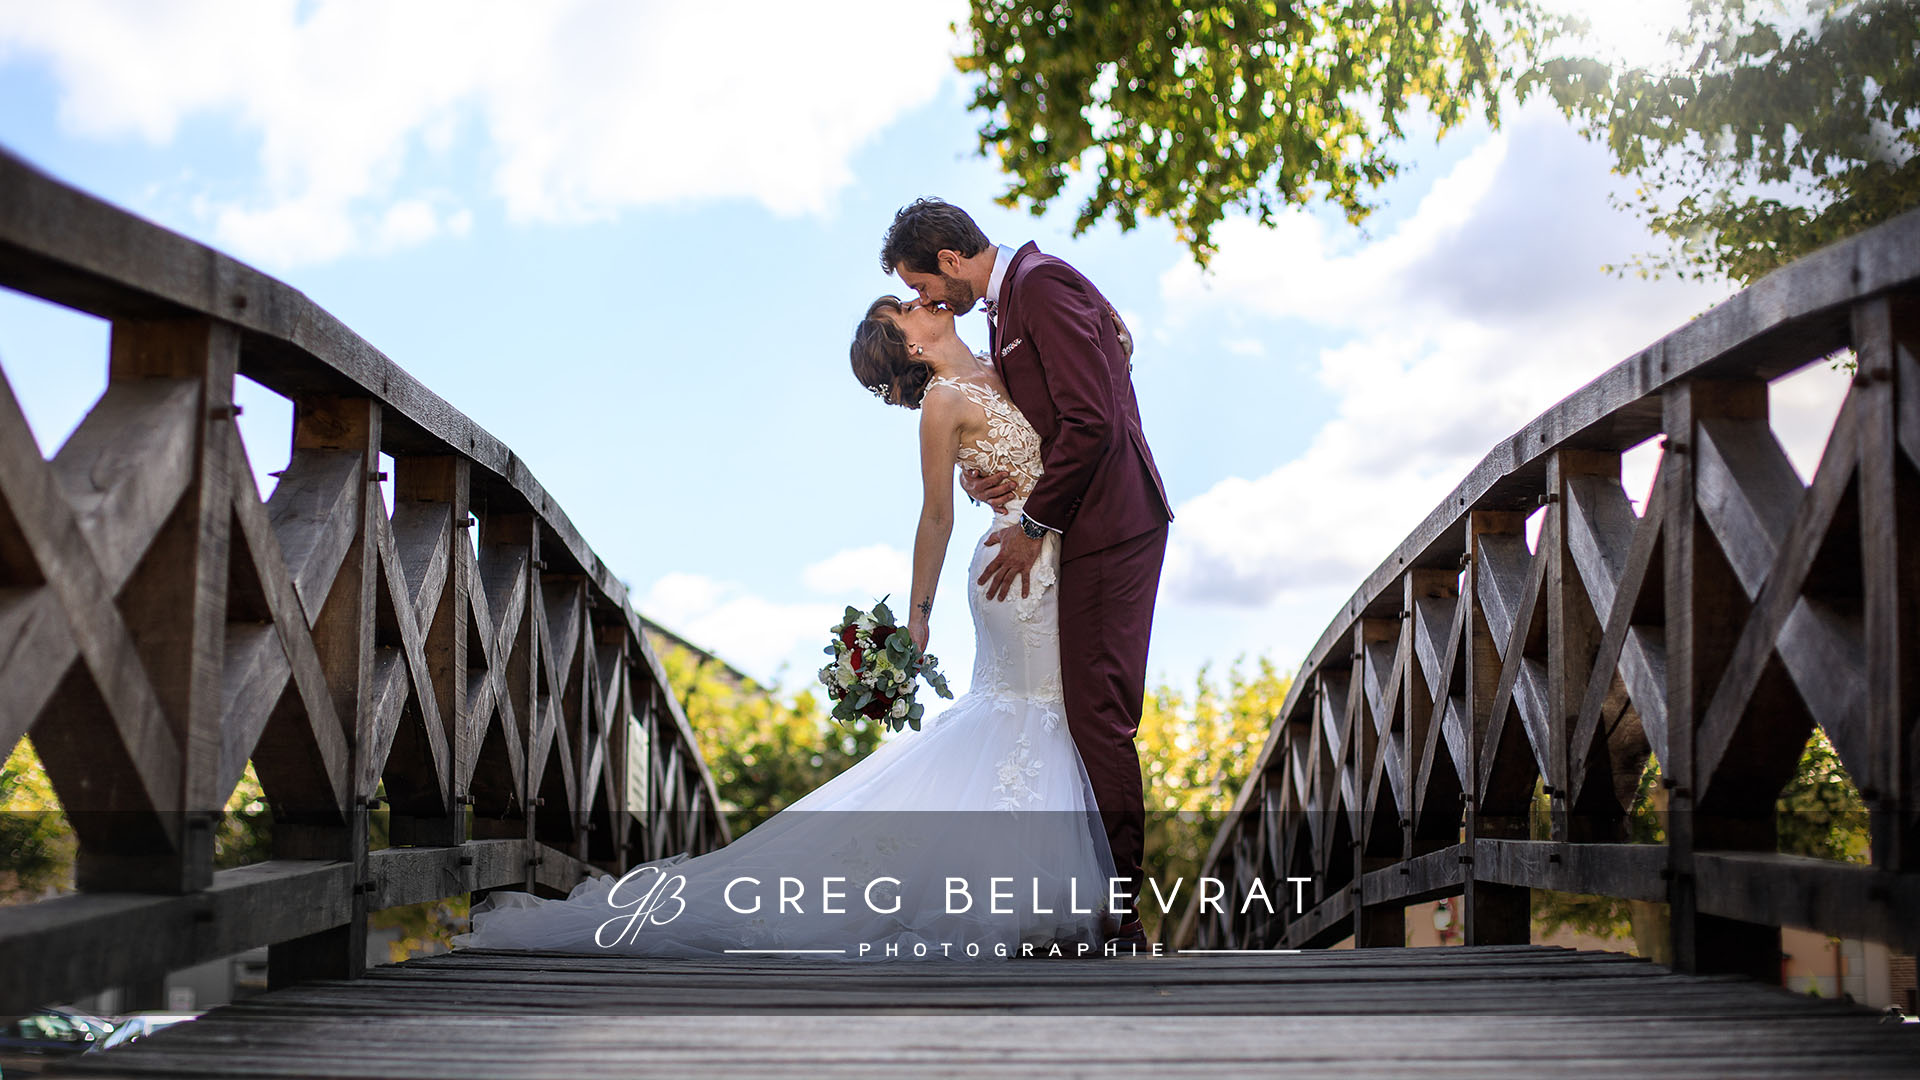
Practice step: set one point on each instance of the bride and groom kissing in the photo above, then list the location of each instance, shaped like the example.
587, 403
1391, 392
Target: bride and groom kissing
1034, 767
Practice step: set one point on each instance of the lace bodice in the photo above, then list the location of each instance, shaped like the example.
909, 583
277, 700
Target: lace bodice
1011, 443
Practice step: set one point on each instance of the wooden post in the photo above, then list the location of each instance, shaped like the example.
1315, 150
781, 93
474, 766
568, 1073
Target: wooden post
343, 637
1886, 336
509, 554
1431, 822
609, 641
643, 836
1379, 924
436, 485
1491, 914
1573, 631
175, 607
1706, 608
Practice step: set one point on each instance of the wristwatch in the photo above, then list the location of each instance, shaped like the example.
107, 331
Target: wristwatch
1032, 528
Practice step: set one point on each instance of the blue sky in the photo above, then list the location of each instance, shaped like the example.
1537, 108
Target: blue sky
634, 249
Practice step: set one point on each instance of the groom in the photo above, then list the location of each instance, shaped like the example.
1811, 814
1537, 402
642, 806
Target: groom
1055, 342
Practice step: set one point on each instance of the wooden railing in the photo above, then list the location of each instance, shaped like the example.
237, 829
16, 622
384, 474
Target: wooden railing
161, 627
1711, 631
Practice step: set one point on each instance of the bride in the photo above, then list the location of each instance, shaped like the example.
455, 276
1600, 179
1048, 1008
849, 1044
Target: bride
975, 836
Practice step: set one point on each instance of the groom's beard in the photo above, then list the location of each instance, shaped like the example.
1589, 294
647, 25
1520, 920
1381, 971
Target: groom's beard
960, 296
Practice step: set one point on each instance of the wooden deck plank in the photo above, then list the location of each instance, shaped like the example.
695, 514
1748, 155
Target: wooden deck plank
1480, 1012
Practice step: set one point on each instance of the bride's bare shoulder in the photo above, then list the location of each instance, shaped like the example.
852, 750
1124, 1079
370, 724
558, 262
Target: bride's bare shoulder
944, 408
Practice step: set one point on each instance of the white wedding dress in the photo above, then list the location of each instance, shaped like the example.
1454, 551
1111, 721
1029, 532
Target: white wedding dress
990, 791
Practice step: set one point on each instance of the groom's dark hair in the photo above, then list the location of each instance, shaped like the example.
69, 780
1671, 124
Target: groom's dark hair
922, 230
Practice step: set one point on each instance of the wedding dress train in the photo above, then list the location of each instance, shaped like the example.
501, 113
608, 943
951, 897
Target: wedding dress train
990, 792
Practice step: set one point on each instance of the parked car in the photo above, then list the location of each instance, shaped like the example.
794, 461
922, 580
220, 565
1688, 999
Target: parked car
141, 1025
29, 1043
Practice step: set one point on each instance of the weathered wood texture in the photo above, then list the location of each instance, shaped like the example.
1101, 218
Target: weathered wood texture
1475, 672
1467, 1012
466, 658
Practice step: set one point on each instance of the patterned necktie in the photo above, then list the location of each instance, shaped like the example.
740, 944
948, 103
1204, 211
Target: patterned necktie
993, 309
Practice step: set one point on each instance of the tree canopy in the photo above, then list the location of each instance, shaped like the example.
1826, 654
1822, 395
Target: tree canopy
1771, 127
1188, 111
1778, 127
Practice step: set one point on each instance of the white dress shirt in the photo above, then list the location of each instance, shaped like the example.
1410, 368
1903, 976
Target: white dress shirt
1002, 258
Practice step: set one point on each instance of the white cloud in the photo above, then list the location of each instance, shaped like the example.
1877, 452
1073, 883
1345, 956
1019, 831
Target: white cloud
1632, 31
747, 630
756, 633
408, 222
853, 574
1478, 312
586, 107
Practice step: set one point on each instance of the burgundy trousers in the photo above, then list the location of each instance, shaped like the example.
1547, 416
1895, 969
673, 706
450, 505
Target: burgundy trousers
1106, 614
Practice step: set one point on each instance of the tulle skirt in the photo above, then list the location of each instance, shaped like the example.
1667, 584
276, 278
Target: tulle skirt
975, 837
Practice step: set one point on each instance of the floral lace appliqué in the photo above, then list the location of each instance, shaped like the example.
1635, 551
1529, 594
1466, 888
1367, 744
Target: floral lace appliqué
1016, 772
1049, 690
1011, 443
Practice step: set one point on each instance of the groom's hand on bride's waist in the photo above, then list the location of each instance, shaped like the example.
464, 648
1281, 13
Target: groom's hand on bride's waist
1017, 554
994, 489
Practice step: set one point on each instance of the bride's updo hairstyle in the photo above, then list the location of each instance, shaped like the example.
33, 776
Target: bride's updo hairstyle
880, 358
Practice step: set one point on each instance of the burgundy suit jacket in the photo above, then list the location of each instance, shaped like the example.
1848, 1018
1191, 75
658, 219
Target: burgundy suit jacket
1056, 348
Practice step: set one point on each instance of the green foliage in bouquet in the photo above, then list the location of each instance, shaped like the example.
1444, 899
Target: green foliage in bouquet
874, 670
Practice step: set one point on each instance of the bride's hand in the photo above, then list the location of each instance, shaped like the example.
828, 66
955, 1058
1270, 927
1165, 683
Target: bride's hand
917, 629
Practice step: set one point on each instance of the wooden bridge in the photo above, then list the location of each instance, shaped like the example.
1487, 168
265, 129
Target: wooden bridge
468, 661
1473, 674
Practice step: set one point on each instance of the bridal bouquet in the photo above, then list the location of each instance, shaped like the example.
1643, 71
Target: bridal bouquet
874, 669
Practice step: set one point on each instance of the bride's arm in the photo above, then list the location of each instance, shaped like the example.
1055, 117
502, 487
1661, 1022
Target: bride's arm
940, 415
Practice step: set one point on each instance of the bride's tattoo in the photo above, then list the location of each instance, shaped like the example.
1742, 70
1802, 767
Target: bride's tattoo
926, 607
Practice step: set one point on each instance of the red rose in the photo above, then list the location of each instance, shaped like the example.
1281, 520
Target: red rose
857, 654
847, 635
882, 633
